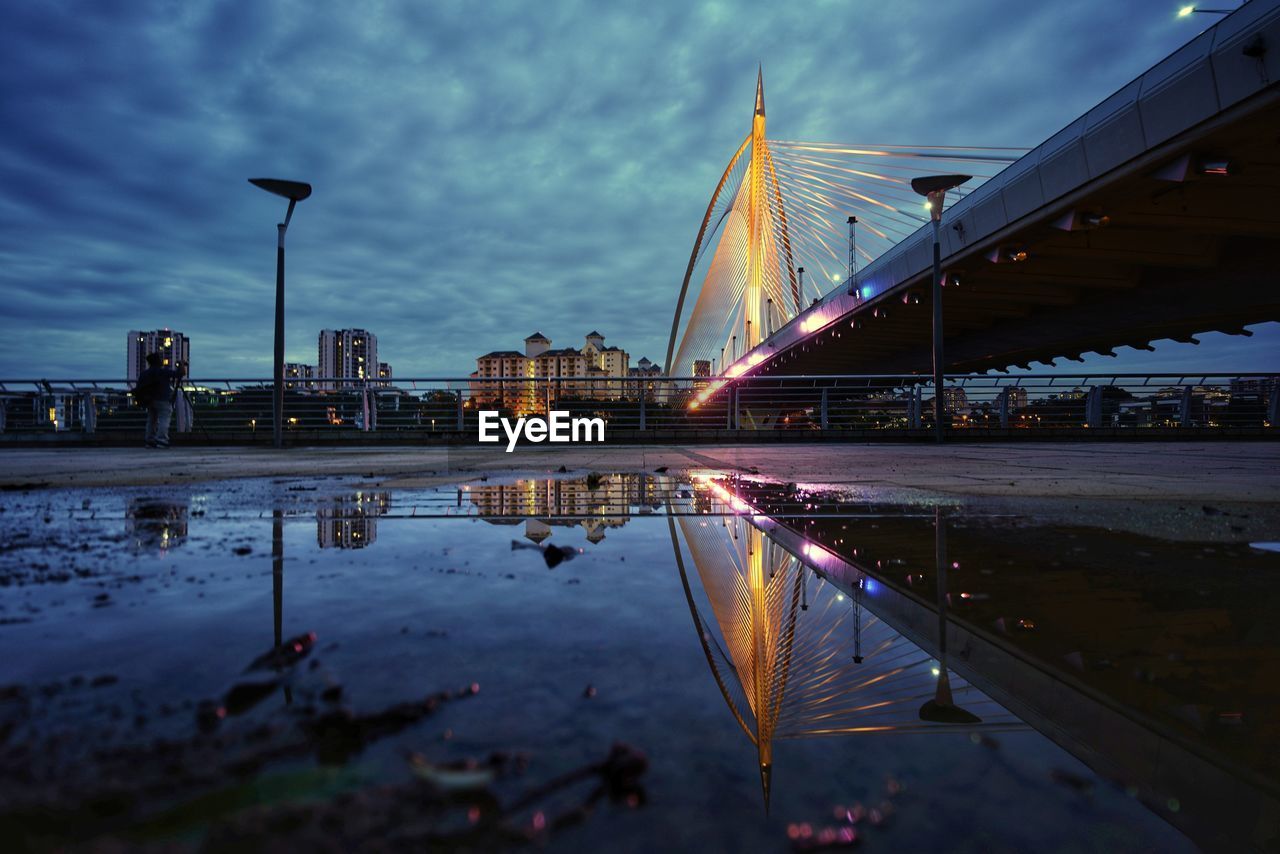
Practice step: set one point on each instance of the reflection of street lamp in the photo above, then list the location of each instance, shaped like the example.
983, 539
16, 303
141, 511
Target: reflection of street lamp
942, 708
294, 191
934, 188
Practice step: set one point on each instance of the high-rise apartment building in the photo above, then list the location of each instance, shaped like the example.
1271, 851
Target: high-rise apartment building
298, 375
173, 347
346, 357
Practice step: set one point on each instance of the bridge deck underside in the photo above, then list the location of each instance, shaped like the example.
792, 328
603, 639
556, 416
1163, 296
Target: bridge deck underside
1177, 257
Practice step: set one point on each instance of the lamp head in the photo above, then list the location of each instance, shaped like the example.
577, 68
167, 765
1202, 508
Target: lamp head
937, 183
294, 191
934, 188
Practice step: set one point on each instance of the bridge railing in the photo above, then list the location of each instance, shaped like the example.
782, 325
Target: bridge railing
451, 407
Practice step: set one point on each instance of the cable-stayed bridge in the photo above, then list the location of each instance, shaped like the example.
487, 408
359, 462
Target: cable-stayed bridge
1152, 216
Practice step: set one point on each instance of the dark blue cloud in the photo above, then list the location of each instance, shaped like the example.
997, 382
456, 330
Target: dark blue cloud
481, 169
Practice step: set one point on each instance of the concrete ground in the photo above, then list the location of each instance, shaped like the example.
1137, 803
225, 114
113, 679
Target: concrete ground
1210, 471
1183, 490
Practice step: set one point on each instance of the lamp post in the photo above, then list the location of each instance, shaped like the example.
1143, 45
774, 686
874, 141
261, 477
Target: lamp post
294, 191
934, 188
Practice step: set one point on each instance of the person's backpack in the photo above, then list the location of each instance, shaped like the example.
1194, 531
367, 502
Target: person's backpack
145, 392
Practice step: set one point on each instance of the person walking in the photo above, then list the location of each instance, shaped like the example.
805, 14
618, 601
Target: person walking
156, 388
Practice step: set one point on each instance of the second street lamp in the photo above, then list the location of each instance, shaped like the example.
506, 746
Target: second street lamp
294, 191
934, 188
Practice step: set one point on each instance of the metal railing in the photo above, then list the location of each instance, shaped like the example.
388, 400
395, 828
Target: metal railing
676, 407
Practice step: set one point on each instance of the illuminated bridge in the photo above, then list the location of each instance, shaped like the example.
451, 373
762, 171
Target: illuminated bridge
1155, 215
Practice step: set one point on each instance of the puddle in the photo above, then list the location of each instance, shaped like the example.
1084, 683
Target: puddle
622, 661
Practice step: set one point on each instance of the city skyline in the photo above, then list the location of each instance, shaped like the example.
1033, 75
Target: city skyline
443, 146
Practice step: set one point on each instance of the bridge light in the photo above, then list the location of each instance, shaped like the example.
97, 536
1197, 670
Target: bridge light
1186, 11
1215, 166
1081, 221
866, 292
1006, 254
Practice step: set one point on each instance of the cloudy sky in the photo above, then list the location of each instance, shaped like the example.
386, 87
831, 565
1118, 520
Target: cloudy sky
482, 169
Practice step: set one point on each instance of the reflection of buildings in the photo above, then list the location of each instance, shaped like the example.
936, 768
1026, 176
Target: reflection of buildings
795, 657
351, 521
594, 503
156, 525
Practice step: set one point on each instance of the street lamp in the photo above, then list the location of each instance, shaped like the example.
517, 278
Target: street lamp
934, 188
294, 191
1186, 11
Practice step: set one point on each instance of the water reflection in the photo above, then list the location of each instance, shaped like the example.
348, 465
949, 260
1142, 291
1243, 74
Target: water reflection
595, 503
797, 654
821, 617
351, 521
156, 525
1128, 651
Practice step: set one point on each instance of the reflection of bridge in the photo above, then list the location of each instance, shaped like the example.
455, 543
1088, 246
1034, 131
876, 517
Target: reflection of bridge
1151, 216
1219, 790
796, 656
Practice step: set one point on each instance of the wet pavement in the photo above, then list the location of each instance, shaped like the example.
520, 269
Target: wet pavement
693, 660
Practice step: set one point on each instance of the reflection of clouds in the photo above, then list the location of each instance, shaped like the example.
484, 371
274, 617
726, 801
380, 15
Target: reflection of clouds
156, 525
794, 655
351, 521
597, 503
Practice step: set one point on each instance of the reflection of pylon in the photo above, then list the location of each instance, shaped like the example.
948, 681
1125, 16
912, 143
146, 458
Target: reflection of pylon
783, 675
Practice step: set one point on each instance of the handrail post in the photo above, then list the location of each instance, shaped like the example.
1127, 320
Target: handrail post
88, 413
461, 423
1004, 409
824, 408
1093, 407
1184, 413
643, 426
